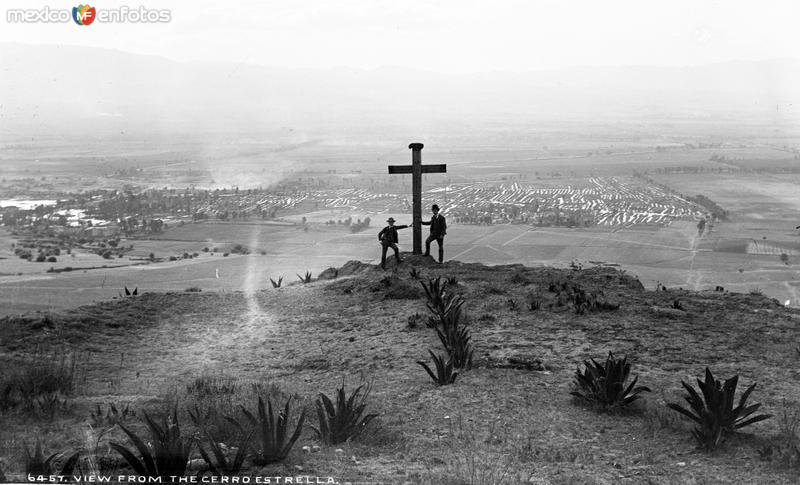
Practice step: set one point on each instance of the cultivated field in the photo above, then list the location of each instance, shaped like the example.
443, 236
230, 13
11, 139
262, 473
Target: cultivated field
673, 256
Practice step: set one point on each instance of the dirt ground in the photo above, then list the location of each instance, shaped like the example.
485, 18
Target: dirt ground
509, 419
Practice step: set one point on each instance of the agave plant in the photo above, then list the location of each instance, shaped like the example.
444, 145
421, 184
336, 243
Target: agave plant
604, 385
456, 341
714, 412
452, 281
445, 374
272, 431
415, 274
435, 291
168, 452
111, 417
277, 284
306, 278
346, 419
36, 464
221, 465
449, 311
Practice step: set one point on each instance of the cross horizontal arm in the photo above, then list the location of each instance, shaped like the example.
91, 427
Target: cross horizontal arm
399, 168
440, 168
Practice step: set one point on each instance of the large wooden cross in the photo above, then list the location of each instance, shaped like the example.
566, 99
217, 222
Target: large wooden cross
416, 169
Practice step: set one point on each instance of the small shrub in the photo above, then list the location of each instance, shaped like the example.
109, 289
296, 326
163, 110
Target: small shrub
605, 385
112, 417
305, 279
415, 274
345, 420
239, 249
487, 318
677, 305
206, 416
193, 289
36, 464
534, 303
42, 376
512, 304
445, 374
713, 413
52, 259
276, 284
519, 278
221, 465
756, 292
206, 385
784, 448
49, 404
401, 290
414, 320
272, 430
452, 281
168, 452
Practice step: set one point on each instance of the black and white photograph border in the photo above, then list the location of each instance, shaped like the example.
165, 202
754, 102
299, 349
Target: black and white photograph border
368, 242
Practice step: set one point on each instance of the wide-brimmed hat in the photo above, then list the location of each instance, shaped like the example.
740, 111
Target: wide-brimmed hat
391, 219
435, 207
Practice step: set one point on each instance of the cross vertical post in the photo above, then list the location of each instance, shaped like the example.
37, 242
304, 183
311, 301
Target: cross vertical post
416, 190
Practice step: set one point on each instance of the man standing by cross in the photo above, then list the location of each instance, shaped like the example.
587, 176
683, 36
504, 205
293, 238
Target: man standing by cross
438, 232
416, 169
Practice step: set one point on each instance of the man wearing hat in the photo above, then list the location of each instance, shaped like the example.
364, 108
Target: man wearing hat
388, 239
438, 231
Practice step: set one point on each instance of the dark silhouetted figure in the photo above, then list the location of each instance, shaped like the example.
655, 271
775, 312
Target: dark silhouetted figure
438, 232
388, 239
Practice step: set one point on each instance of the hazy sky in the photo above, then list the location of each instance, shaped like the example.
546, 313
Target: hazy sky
442, 35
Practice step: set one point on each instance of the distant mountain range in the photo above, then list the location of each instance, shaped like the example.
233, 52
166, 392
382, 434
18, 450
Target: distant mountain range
51, 88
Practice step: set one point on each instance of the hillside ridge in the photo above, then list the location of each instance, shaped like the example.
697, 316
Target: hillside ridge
530, 328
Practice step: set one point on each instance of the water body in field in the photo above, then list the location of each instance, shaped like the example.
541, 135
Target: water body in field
24, 204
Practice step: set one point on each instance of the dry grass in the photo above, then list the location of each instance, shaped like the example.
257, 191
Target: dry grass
507, 424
